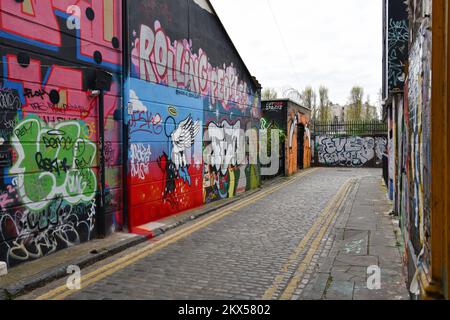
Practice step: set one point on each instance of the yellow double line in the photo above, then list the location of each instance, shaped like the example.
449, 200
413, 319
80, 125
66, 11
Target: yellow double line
325, 219
63, 292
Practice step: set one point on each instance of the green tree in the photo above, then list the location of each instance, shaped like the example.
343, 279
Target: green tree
324, 105
355, 104
370, 111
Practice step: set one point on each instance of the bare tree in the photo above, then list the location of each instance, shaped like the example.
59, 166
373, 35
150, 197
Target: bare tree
269, 94
293, 94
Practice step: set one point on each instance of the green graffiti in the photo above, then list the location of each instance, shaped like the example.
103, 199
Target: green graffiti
52, 162
269, 126
253, 177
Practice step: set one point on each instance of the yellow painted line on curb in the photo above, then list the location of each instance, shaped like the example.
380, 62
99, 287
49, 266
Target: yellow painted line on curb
270, 292
295, 281
62, 292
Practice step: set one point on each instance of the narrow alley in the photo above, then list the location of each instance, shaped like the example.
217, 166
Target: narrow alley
269, 152
271, 245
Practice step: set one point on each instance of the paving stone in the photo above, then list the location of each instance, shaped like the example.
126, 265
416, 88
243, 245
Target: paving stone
340, 290
356, 242
395, 291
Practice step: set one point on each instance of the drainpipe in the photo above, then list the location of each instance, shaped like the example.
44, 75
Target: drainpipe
102, 202
125, 146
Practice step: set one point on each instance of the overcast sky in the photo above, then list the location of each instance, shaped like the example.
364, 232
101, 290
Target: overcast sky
336, 43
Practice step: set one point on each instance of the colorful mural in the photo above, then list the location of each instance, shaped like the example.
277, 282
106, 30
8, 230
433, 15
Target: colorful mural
410, 129
165, 155
416, 205
49, 139
191, 108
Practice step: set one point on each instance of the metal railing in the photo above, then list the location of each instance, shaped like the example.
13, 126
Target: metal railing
349, 128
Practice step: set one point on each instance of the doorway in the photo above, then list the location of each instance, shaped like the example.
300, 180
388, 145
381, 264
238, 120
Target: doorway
300, 145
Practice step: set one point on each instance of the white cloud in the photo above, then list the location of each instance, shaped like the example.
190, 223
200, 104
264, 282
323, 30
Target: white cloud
138, 106
329, 42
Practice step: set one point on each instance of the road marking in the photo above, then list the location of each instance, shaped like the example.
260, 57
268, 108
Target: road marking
270, 292
62, 292
298, 275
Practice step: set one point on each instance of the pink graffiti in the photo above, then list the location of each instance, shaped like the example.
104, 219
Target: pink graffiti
157, 60
7, 198
39, 23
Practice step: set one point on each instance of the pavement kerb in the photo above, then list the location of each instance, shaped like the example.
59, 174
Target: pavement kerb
34, 282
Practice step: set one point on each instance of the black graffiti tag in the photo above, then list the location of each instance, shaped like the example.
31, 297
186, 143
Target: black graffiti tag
56, 142
9, 100
52, 166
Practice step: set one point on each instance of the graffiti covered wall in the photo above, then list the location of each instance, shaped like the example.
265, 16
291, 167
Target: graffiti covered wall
298, 154
191, 108
292, 123
49, 139
397, 44
414, 152
351, 151
274, 117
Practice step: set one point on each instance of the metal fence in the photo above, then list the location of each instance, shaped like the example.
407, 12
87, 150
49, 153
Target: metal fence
349, 128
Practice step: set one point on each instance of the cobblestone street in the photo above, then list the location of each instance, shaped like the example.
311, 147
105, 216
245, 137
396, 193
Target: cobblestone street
311, 237
171, 151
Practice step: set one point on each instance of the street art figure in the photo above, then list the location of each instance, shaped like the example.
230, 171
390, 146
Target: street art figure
183, 138
175, 167
170, 172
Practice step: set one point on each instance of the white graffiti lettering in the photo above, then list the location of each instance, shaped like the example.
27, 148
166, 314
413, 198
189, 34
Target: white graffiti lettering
140, 160
227, 145
345, 151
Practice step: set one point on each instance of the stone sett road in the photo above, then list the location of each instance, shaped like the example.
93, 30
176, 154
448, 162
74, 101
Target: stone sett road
251, 253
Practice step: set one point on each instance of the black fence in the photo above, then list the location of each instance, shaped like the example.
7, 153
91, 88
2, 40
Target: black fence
349, 128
